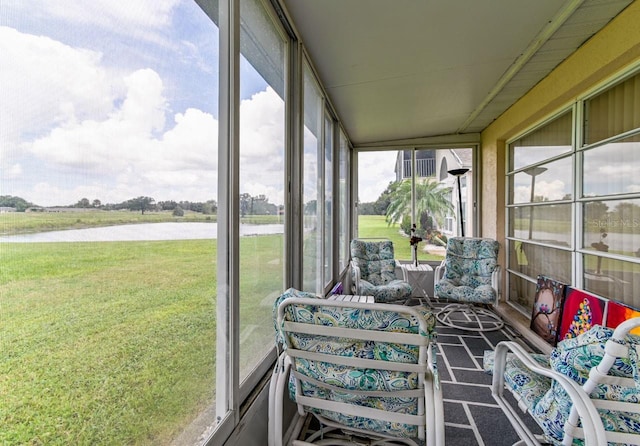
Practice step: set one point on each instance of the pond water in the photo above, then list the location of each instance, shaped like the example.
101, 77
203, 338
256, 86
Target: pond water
140, 232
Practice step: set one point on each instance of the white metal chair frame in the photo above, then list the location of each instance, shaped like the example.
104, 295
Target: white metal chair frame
356, 269
480, 319
431, 412
584, 411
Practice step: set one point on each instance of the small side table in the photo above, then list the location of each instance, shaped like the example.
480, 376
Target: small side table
420, 278
352, 298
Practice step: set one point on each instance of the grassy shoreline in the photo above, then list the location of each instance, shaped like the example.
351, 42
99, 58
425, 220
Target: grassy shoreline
15, 223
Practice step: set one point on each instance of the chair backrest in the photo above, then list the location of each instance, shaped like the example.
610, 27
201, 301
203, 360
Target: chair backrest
471, 261
375, 259
365, 366
605, 362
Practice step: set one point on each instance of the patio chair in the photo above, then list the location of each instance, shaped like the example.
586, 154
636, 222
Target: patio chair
362, 371
586, 392
469, 275
373, 271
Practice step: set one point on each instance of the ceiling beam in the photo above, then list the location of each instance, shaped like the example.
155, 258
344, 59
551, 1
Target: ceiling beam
554, 24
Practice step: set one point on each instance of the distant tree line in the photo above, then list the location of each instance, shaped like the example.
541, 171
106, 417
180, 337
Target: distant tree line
378, 207
249, 205
14, 202
258, 205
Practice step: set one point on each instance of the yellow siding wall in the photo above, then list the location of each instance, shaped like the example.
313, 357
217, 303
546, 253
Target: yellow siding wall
611, 50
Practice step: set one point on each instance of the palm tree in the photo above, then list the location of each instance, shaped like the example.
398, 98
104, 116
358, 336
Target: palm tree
431, 197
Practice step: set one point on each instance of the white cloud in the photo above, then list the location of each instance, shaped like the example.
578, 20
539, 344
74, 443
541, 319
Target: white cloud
375, 172
254, 188
522, 194
125, 145
74, 127
14, 171
550, 190
108, 145
262, 124
43, 81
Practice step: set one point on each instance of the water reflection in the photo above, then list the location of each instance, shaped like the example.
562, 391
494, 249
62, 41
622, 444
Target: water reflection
140, 232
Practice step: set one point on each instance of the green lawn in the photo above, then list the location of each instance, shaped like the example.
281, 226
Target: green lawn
114, 342
376, 226
105, 343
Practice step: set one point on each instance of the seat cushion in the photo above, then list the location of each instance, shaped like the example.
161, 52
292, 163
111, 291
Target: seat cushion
469, 266
547, 401
448, 289
348, 378
527, 387
328, 379
575, 358
392, 291
375, 260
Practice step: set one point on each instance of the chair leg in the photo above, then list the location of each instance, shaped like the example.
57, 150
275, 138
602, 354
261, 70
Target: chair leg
469, 317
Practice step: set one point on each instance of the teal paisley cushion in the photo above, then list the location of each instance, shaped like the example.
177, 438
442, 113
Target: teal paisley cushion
575, 357
392, 291
376, 261
529, 387
377, 265
547, 401
469, 265
288, 294
327, 380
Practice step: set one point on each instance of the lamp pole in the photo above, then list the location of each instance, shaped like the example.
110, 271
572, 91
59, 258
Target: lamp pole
458, 173
534, 172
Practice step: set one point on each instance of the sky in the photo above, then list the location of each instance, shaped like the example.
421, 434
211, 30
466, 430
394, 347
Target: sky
112, 100
375, 172
607, 169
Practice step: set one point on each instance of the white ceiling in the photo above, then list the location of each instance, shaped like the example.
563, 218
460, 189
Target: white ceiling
418, 68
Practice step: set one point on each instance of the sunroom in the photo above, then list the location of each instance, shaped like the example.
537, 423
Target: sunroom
168, 169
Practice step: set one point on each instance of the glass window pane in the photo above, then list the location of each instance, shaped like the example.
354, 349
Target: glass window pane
312, 181
545, 223
385, 202
613, 226
614, 111
379, 184
108, 258
612, 168
521, 293
613, 279
328, 200
548, 182
459, 181
262, 171
343, 202
549, 141
532, 260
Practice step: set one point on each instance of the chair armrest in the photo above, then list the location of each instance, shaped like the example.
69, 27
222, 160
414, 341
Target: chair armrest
594, 431
496, 281
356, 277
438, 273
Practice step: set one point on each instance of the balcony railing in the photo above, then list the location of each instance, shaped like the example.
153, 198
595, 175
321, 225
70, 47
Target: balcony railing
424, 168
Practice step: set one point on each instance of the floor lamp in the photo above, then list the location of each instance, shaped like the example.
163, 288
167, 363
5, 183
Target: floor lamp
458, 173
534, 172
